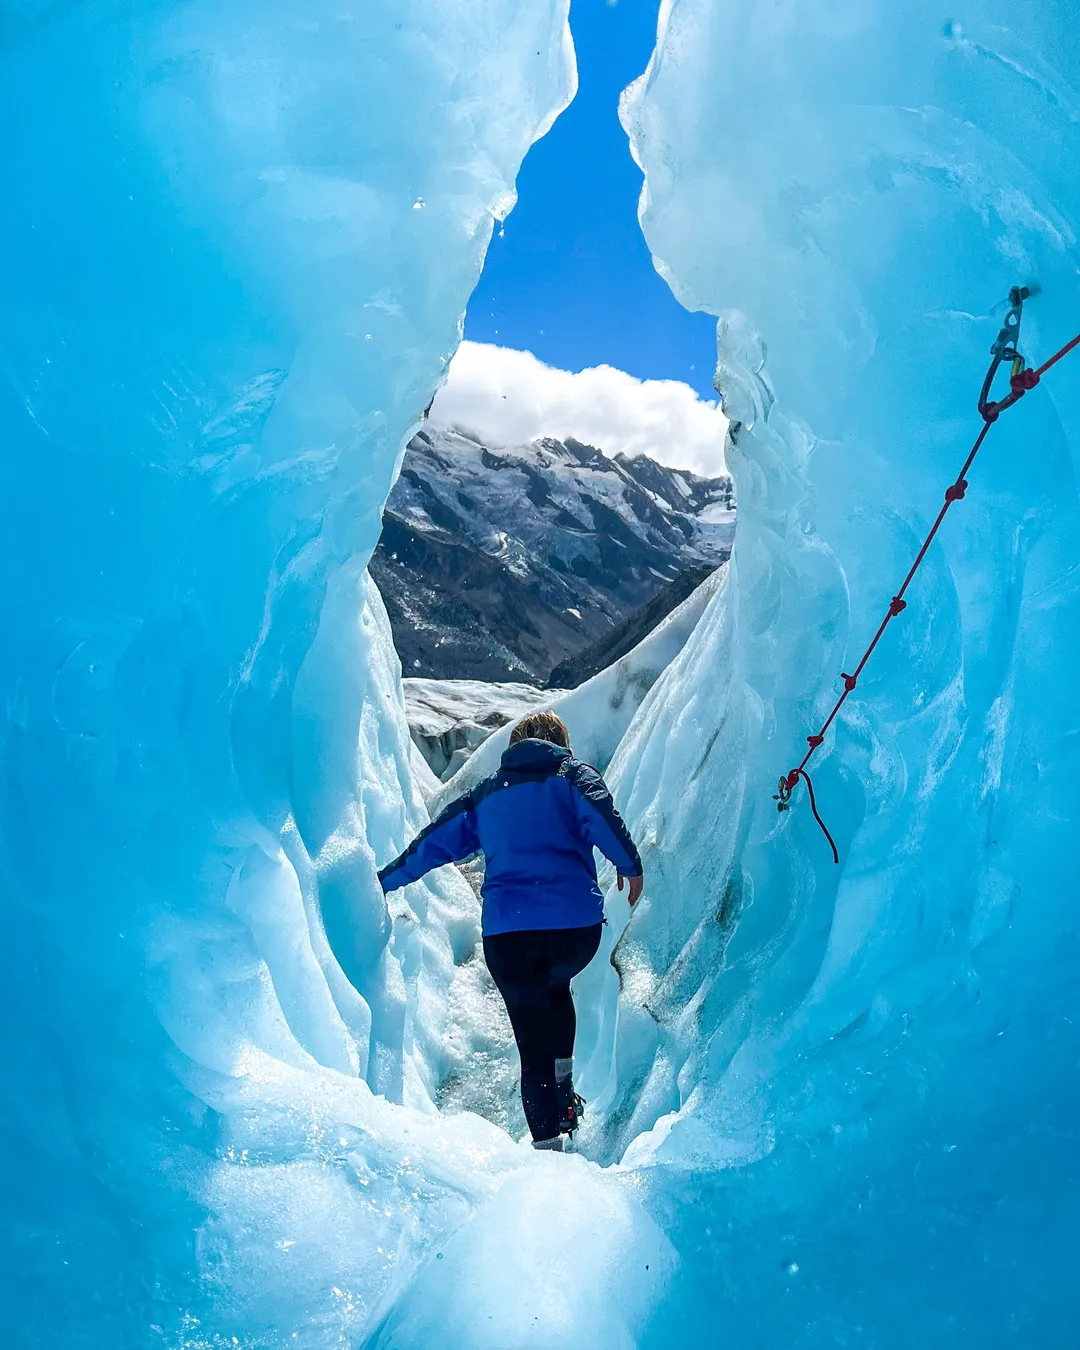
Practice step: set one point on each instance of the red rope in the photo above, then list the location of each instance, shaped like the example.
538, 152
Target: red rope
1020, 384
792, 778
1057, 356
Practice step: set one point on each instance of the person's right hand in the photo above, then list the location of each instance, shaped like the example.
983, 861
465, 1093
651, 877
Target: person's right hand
637, 885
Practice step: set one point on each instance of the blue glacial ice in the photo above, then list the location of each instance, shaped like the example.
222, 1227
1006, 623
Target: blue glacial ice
831, 1105
885, 1052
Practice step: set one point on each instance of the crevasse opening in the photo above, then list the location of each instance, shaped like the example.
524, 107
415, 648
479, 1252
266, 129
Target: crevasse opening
837, 1102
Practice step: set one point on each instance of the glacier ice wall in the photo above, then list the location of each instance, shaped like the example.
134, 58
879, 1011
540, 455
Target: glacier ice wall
238, 240
853, 1088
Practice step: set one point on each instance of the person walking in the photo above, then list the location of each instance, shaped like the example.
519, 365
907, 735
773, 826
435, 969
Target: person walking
536, 821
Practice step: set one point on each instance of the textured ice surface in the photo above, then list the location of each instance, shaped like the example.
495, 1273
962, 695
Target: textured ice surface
238, 240
893, 1041
448, 719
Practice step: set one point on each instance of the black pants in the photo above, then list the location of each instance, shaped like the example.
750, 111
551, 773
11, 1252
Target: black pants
533, 971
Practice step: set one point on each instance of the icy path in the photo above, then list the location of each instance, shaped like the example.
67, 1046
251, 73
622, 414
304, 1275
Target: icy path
346, 1218
563, 1252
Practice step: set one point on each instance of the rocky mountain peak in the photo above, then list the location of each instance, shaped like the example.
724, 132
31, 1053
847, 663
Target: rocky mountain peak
500, 562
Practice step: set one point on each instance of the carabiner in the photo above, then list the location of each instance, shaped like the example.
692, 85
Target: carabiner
1005, 348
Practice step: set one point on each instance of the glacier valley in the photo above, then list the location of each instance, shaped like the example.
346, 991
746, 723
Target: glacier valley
247, 1103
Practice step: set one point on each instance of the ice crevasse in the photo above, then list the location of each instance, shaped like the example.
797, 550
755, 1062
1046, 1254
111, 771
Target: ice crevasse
834, 1105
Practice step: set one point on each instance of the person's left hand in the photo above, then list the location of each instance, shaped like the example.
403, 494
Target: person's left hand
637, 885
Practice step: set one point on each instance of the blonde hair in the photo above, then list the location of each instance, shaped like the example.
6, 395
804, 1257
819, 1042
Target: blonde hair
541, 726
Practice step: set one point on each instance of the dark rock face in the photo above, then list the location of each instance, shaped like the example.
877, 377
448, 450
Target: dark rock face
501, 564
605, 651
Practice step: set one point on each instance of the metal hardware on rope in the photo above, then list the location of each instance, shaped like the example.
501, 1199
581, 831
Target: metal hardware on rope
782, 798
1005, 349
1022, 379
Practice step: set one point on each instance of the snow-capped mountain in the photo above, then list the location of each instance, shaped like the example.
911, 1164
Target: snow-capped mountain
499, 564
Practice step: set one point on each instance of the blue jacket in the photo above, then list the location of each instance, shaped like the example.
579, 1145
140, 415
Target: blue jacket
536, 822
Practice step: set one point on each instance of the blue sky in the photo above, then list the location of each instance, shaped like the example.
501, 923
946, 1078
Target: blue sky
571, 279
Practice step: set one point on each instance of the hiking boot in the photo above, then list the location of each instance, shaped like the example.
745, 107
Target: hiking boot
555, 1144
572, 1113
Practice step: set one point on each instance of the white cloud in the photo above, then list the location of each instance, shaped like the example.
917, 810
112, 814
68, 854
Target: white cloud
508, 397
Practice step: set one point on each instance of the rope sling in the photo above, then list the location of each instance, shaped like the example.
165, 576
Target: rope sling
1021, 381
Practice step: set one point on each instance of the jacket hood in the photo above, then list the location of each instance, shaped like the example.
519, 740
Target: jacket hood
533, 754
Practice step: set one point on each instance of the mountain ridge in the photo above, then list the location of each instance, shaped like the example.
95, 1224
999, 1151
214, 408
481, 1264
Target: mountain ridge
500, 563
